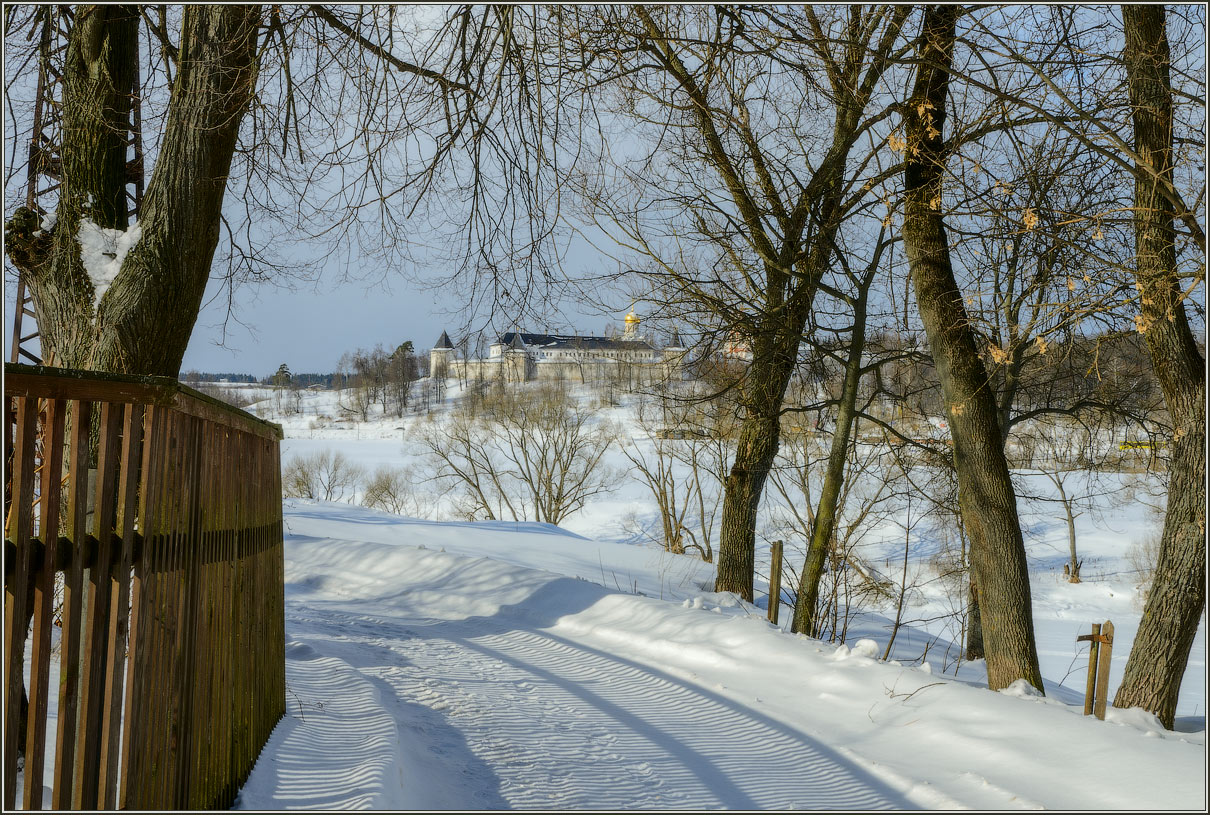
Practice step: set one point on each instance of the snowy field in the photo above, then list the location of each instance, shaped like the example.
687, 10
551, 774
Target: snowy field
489, 665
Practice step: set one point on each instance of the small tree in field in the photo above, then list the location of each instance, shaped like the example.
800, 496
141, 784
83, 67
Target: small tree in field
391, 489
322, 476
525, 454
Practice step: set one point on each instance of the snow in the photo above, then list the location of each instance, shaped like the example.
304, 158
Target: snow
103, 251
485, 666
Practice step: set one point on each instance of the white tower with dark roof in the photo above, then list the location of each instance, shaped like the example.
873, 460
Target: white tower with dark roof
674, 355
440, 356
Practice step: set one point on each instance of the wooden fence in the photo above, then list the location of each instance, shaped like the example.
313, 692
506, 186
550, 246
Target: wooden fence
146, 571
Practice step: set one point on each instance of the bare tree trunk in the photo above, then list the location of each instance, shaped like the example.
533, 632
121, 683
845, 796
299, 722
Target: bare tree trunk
1072, 568
1177, 597
142, 323
759, 437
829, 496
985, 493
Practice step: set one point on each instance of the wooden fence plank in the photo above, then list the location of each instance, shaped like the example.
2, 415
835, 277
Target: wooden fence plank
154, 622
96, 623
119, 588
775, 582
1091, 685
44, 601
195, 662
21, 521
141, 595
1103, 660
230, 541
203, 788
279, 583
156, 743
170, 649
181, 689
243, 642
73, 591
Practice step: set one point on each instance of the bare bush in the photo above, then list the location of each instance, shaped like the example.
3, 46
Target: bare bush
392, 489
869, 496
324, 476
684, 467
525, 455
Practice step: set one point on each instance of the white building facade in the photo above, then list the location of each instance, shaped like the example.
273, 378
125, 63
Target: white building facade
524, 357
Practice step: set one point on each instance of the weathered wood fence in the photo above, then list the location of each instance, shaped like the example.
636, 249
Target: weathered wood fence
146, 571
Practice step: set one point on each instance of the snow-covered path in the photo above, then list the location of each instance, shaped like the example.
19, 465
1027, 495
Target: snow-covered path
422, 676
516, 717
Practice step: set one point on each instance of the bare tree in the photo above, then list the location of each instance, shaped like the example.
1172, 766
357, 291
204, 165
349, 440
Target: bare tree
739, 190
530, 454
676, 468
842, 579
324, 476
985, 494
1177, 597
1067, 455
111, 295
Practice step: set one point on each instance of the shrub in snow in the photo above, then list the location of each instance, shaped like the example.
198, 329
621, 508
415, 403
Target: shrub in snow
391, 489
322, 476
523, 455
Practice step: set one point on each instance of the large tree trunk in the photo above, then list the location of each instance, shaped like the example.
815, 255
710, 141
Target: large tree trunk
985, 493
759, 437
142, 322
1177, 597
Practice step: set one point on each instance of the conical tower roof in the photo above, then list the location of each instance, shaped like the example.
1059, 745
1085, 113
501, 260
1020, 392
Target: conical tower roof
676, 340
444, 342
516, 344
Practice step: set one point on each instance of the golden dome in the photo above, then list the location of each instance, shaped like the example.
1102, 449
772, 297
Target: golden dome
632, 319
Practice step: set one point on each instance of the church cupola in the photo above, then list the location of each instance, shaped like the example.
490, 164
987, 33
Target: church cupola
632, 326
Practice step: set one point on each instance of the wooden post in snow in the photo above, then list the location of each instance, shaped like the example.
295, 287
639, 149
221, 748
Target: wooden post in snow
1097, 689
775, 583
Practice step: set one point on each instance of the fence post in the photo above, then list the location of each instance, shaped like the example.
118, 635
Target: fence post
1103, 669
775, 583
1097, 689
1090, 688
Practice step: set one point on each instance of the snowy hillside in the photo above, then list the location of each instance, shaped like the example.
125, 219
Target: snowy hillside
484, 665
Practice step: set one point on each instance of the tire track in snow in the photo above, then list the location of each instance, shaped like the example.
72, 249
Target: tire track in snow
500, 714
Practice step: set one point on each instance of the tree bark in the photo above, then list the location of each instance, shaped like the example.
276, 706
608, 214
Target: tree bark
985, 493
142, 323
1177, 597
974, 624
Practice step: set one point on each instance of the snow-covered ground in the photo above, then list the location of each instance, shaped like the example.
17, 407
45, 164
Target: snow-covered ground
462, 665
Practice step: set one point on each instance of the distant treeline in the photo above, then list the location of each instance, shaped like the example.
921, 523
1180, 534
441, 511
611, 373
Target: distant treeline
192, 377
307, 380
297, 380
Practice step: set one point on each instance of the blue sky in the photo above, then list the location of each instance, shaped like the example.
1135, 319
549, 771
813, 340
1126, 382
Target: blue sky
309, 327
